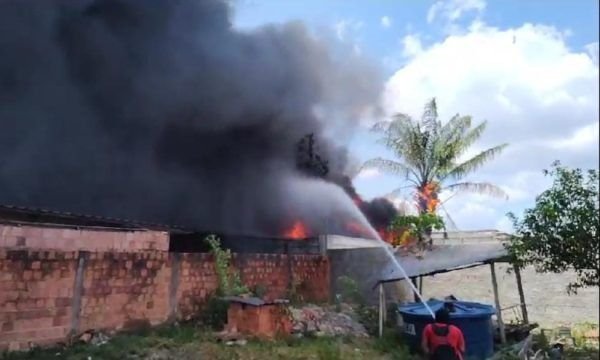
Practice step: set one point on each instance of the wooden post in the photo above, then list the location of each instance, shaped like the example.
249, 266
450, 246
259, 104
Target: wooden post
415, 296
497, 301
521, 295
380, 309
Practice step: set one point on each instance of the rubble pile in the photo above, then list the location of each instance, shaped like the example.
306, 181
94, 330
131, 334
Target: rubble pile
321, 321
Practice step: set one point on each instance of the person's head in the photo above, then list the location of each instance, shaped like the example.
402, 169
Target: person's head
442, 316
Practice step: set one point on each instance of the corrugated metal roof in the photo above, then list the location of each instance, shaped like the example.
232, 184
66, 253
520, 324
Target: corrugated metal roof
22, 214
444, 258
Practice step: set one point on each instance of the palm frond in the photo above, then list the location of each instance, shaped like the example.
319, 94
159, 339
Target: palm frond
472, 136
451, 223
388, 166
474, 163
479, 188
399, 190
430, 117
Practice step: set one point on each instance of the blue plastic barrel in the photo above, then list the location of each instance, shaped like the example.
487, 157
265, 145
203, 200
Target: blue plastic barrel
474, 319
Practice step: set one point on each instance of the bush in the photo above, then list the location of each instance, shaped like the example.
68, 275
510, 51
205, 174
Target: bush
369, 317
214, 313
349, 290
230, 283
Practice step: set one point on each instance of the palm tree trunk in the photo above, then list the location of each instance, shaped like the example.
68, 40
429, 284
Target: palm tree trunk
423, 204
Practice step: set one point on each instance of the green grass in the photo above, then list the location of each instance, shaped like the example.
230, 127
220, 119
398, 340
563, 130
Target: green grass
187, 342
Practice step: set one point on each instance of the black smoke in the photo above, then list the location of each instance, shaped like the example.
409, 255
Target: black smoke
379, 211
162, 111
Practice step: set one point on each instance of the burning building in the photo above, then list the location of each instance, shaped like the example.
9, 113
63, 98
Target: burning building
162, 111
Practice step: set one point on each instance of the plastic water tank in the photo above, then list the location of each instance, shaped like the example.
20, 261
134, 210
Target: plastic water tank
474, 319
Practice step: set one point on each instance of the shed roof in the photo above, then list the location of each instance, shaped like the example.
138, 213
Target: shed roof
444, 258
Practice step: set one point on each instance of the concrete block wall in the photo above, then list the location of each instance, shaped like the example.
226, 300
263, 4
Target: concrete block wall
120, 289
46, 296
79, 239
36, 289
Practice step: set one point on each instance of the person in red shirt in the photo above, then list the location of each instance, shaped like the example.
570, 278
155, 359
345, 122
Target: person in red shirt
442, 341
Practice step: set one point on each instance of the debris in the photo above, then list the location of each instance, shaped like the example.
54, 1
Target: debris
86, 337
240, 342
99, 339
319, 321
94, 338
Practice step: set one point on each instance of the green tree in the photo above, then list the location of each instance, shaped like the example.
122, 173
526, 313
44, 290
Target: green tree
417, 226
561, 231
428, 155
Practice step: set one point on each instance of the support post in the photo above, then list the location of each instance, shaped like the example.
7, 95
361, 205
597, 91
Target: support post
384, 300
290, 280
82, 258
416, 285
380, 309
175, 259
497, 302
421, 285
521, 295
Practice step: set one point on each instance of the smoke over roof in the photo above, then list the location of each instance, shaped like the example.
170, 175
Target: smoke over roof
162, 111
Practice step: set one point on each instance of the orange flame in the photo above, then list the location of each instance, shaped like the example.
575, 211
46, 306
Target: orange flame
428, 197
297, 231
399, 237
386, 235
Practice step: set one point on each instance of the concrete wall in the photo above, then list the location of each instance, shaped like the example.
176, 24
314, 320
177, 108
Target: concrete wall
364, 266
78, 239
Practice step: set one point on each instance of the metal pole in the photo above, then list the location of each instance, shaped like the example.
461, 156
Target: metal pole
497, 301
380, 309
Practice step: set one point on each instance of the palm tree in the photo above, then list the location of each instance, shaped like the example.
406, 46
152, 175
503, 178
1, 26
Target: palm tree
428, 155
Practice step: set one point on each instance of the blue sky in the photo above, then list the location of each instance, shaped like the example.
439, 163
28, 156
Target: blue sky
530, 68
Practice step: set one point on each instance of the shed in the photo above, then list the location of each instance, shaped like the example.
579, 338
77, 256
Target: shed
451, 255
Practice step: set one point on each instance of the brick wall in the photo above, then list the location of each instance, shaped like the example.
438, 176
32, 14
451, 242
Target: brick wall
197, 277
35, 296
47, 295
74, 239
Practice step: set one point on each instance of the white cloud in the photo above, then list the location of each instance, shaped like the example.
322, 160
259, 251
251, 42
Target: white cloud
504, 225
386, 22
368, 173
411, 45
537, 94
346, 29
582, 138
453, 10
592, 49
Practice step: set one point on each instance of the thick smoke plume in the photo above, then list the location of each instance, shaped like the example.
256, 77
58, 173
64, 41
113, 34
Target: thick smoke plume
161, 111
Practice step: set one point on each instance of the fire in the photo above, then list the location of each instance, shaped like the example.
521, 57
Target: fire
427, 197
395, 237
297, 231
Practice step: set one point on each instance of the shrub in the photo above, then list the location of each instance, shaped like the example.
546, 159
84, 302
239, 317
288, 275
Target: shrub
349, 290
230, 283
214, 313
